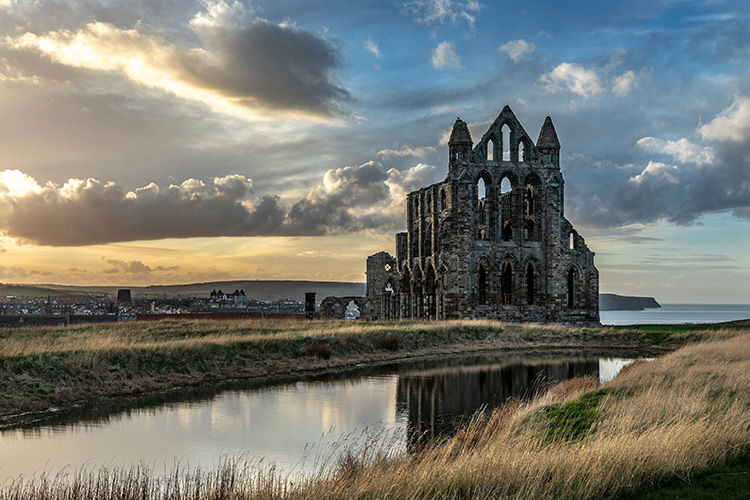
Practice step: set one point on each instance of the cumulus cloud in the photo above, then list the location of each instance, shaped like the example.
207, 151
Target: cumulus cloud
358, 198
516, 49
706, 178
245, 65
732, 124
657, 170
573, 78
372, 47
444, 55
624, 84
88, 211
439, 11
682, 151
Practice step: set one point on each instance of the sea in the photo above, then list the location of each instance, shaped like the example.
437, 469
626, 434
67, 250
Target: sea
672, 314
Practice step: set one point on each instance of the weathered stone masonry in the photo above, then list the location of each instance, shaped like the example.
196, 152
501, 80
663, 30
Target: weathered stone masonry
491, 240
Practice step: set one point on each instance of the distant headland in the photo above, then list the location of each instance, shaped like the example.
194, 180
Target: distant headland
613, 302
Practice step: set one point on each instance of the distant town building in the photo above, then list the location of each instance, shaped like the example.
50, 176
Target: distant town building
123, 297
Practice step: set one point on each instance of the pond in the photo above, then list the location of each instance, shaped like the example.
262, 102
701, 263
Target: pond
297, 424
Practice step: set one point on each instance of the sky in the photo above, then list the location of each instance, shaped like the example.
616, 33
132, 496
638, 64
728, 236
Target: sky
177, 141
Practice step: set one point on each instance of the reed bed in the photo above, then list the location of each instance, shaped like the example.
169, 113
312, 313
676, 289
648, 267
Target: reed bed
671, 417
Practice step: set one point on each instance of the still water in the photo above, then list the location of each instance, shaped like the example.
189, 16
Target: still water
297, 424
678, 313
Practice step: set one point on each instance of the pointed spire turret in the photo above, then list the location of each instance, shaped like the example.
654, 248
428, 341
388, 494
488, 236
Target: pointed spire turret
460, 134
548, 144
460, 143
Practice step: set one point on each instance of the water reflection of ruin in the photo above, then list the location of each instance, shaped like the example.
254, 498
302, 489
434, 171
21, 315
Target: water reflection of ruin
436, 401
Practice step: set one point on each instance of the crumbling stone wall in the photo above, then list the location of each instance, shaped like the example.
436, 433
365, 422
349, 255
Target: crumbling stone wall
335, 307
491, 240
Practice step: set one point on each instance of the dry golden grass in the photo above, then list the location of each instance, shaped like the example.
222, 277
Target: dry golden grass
681, 413
38, 340
674, 416
45, 367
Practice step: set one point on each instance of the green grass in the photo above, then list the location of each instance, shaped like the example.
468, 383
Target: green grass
727, 482
570, 421
662, 334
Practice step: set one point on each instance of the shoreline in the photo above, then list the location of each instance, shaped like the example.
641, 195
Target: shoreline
116, 403
61, 369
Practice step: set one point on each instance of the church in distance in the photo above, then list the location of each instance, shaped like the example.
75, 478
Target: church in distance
490, 241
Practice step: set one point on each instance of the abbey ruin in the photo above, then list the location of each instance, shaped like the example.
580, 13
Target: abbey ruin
490, 241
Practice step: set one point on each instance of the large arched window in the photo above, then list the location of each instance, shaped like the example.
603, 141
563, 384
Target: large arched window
530, 284
521, 151
505, 142
507, 283
405, 306
572, 285
427, 242
430, 292
482, 206
482, 286
481, 189
491, 149
531, 194
505, 185
506, 208
528, 229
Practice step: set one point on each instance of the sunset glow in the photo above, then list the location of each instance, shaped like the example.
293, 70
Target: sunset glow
155, 143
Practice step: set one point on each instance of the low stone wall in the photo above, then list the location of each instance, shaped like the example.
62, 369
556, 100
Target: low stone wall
17, 320
219, 316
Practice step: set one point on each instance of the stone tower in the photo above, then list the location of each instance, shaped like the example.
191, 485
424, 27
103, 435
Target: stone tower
491, 240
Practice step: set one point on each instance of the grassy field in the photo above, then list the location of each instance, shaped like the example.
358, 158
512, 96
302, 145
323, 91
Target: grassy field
44, 367
683, 418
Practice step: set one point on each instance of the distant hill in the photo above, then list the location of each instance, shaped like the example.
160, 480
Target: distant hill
35, 291
270, 290
612, 302
256, 289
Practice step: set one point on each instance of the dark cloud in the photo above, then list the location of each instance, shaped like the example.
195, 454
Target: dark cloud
681, 186
333, 205
88, 212
358, 198
280, 65
241, 61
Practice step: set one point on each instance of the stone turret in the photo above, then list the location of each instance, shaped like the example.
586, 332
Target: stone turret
548, 143
460, 143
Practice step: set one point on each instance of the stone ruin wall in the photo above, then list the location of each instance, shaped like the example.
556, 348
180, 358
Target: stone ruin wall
509, 254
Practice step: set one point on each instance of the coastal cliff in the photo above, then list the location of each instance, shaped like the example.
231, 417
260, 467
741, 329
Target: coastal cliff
613, 302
